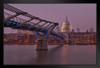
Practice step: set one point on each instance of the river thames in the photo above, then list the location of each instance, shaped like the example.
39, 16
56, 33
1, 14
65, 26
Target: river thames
56, 55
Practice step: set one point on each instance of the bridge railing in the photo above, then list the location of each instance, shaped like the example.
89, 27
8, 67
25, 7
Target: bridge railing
16, 19
20, 20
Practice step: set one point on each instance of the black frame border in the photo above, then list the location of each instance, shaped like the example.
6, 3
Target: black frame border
52, 2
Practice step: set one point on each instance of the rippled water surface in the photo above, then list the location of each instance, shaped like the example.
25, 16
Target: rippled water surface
56, 54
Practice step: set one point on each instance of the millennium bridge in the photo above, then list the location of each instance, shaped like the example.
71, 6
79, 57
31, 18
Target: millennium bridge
43, 28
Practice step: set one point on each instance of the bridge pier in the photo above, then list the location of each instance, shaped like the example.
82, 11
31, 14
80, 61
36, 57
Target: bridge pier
42, 45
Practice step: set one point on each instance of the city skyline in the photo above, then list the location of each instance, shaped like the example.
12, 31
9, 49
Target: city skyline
79, 15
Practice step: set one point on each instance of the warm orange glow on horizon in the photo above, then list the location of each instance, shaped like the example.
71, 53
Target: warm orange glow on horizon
66, 45
5, 39
92, 41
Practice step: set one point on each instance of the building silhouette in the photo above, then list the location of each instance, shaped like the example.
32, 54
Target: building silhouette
91, 30
73, 30
78, 30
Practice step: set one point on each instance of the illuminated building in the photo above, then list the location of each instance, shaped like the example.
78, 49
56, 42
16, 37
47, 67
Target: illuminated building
81, 38
27, 39
24, 31
91, 30
66, 27
72, 38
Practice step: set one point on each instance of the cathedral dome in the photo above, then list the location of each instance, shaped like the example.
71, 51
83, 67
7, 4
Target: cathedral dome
66, 27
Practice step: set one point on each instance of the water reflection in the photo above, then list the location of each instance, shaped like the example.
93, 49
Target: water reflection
56, 54
41, 57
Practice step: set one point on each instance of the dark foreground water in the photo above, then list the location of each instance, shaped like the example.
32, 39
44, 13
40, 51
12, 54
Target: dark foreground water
56, 54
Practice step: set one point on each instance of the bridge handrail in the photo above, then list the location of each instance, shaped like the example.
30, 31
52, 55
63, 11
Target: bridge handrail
18, 18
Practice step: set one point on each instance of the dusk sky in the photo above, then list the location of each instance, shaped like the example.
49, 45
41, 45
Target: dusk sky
79, 15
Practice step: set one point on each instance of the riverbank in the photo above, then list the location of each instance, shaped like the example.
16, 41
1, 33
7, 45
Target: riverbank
53, 44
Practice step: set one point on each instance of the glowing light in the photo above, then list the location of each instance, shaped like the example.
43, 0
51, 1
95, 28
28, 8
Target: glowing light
92, 41
26, 41
17, 24
10, 22
5, 39
46, 32
66, 45
36, 33
14, 22
34, 28
27, 34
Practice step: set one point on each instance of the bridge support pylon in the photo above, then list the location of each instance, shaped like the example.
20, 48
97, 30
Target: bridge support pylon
42, 44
